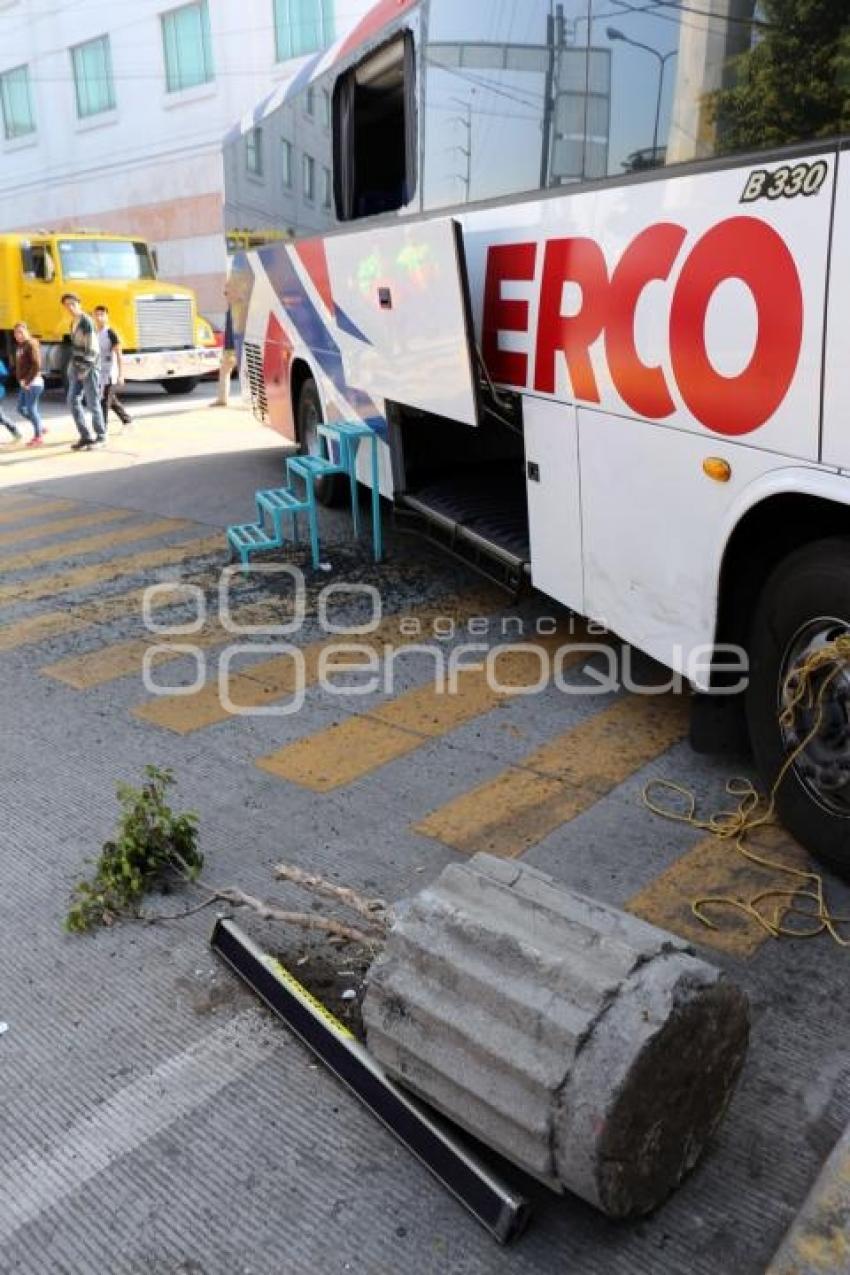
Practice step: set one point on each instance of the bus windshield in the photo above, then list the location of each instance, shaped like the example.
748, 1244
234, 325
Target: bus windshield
105, 259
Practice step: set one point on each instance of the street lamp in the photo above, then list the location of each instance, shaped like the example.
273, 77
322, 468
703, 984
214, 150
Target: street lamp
613, 33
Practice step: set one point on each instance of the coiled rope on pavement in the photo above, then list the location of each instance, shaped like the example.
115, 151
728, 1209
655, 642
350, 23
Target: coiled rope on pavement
805, 895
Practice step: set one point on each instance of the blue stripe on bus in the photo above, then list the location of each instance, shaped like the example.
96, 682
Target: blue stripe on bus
314, 332
260, 110
305, 74
346, 325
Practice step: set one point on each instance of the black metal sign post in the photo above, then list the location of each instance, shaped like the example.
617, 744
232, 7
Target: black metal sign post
495, 1205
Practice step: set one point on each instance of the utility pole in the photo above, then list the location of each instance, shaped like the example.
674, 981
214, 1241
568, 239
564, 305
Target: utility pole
555, 40
465, 121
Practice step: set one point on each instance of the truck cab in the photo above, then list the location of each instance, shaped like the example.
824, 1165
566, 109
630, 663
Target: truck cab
163, 337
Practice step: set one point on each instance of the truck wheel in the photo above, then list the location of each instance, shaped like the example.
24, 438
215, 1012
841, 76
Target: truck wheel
332, 489
804, 605
180, 384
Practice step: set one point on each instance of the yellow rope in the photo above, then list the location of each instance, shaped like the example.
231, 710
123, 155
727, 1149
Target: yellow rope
806, 899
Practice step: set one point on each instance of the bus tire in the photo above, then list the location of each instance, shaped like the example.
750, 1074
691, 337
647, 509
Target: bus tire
332, 489
180, 384
804, 604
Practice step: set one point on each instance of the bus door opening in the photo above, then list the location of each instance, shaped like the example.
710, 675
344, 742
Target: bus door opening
469, 485
375, 133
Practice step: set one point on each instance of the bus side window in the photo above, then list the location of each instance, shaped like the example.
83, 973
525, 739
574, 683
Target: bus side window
375, 133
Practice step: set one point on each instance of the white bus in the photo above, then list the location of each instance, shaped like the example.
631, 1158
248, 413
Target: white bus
584, 267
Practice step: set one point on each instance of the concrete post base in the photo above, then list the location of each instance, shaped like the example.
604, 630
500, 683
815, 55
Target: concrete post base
591, 1049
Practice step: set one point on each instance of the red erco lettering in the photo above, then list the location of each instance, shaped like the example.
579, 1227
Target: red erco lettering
570, 261
743, 248
506, 261
649, 256
750, 250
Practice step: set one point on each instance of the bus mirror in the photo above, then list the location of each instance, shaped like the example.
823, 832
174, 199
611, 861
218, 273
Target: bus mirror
155, 260
27, 263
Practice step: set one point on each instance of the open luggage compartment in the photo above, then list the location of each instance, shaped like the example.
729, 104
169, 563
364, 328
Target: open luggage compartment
466, 490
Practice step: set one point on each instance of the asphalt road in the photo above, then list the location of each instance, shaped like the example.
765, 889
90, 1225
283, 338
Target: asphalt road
153, 1117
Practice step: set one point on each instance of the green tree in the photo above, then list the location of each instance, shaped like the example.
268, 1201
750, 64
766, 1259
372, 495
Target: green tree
793, 83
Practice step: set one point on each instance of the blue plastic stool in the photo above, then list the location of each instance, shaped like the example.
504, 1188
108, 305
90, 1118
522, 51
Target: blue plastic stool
309, 468
279, 503
349, 435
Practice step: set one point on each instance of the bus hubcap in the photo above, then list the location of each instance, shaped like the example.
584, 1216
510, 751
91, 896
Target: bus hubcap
820, 719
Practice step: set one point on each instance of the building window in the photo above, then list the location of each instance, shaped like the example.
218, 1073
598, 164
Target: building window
188, 46
92, 65
302, 26
286, 163
326, 196
309, 174
310, 101
16, 102
254, 151
326, 108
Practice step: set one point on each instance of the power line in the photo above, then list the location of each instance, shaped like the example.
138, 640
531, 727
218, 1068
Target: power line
706, 13
492, 86
651, 10
502, 115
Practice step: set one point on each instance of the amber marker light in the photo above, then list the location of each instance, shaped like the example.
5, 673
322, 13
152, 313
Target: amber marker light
717, 468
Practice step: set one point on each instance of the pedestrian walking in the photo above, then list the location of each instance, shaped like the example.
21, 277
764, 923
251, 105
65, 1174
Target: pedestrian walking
228, 361
30, 381
111, 367
6, 421
84, 376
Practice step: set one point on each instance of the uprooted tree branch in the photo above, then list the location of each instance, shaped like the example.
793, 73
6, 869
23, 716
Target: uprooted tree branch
154, 847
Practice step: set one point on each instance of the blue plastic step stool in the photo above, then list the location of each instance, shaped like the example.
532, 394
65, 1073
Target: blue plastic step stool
349, 435
278, 503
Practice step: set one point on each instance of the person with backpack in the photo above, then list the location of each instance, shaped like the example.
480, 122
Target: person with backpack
111, 366
30, 381
84, 376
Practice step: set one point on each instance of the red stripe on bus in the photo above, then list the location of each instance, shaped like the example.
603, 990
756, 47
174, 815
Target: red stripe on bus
383, 13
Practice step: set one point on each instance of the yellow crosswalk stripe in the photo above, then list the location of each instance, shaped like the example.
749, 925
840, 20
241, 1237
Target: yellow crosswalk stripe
38, 628
103, 572
356, 747
123, 659
277, 678
560, 780
50, 624
59, 526
96, 611
91, 544
714, 867
19, 508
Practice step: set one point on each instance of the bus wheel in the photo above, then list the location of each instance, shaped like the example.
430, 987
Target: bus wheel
805, 605
180, 385
332, 489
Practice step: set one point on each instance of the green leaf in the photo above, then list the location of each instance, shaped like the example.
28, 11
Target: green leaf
150, 842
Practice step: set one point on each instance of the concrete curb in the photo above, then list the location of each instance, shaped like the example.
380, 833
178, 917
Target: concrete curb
818, 1240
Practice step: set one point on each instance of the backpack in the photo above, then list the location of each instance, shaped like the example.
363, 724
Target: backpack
85, 347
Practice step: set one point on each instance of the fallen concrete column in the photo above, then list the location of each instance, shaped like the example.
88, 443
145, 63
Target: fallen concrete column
591, 1049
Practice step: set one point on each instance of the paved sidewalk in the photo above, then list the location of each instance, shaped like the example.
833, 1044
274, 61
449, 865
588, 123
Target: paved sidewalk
818, 1241
154, 1120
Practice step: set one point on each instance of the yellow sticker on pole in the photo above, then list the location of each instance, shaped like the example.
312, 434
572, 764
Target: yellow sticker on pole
292, 983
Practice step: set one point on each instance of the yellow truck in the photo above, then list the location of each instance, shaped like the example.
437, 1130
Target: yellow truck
163, 337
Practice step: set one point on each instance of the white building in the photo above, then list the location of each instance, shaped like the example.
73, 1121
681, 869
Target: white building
112, 115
